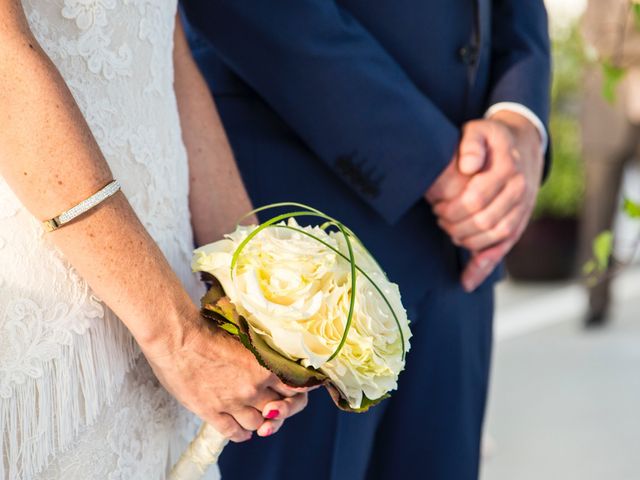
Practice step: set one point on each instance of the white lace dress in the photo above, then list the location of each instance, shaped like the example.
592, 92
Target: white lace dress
77, 401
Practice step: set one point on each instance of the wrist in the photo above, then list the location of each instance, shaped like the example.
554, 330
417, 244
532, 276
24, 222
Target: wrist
169, 332
524, 131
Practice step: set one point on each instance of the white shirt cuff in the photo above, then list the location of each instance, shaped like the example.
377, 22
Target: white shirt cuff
526, 113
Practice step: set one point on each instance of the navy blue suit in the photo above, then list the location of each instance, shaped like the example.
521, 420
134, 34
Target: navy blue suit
355, 107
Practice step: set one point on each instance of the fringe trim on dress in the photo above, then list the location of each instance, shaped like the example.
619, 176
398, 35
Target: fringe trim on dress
44, 415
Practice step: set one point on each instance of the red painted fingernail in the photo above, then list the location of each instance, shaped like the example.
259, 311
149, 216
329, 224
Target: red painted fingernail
273, 414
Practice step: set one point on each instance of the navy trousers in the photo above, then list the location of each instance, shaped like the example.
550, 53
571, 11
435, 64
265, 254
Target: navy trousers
430, 428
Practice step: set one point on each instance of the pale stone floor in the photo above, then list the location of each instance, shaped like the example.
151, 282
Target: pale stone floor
564, 402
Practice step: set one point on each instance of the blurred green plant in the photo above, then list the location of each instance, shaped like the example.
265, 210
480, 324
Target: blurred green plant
561, 195
602, 247
635, 6
612, 75
631, 208
603, 262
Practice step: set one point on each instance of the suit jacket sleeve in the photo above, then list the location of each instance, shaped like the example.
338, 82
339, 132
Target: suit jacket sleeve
520, 57
338, 89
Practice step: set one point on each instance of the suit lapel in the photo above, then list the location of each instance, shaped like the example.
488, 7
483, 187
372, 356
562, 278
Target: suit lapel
483, 21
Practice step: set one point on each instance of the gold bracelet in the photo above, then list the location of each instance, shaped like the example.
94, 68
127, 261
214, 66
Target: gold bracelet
65, 217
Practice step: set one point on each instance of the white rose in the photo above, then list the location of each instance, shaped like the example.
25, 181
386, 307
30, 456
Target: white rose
295, 292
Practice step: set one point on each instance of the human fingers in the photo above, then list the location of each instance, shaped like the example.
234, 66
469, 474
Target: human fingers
286, 407
503, 230
486, 219
473, 150
248, 418
305, 389
501, 162
230, 428
483, 263
285, 390
481, 190
448, 185
276, 412
262, 396
269, 427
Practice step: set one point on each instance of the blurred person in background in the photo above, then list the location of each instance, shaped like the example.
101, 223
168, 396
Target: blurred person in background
610, 129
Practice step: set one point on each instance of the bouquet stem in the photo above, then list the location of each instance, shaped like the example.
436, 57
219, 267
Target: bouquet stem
201, 453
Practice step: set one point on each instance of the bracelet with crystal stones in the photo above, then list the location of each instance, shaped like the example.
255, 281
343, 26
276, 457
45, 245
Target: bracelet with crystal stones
65, 217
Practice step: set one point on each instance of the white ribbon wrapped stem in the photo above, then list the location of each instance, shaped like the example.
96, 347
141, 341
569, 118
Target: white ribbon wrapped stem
201, 453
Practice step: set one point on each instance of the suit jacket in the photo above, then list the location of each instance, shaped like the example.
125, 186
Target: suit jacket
355, 106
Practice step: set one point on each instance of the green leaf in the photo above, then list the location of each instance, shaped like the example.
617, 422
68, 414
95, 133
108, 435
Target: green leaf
636, 15
602, 249
232, 329
291, 373
217, 307
215, 292
612, 76
589, 267
222, 307
631, 208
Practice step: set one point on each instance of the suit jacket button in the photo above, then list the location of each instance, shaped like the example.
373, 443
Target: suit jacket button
469, 54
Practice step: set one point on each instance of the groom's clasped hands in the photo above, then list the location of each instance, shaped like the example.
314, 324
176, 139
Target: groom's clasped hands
485, 197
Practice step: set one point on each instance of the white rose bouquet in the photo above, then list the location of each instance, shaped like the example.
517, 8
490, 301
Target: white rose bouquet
314, 308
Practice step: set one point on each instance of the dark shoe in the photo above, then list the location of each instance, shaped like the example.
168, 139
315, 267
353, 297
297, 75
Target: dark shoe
599, 300
596, 319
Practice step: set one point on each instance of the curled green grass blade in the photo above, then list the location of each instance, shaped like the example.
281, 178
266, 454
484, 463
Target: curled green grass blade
346, 232
313, 213
352, 300
316, 211
271, 206
365, 274
261, 227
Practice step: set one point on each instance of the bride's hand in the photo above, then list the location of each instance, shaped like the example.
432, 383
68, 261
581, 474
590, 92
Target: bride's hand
218, 379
